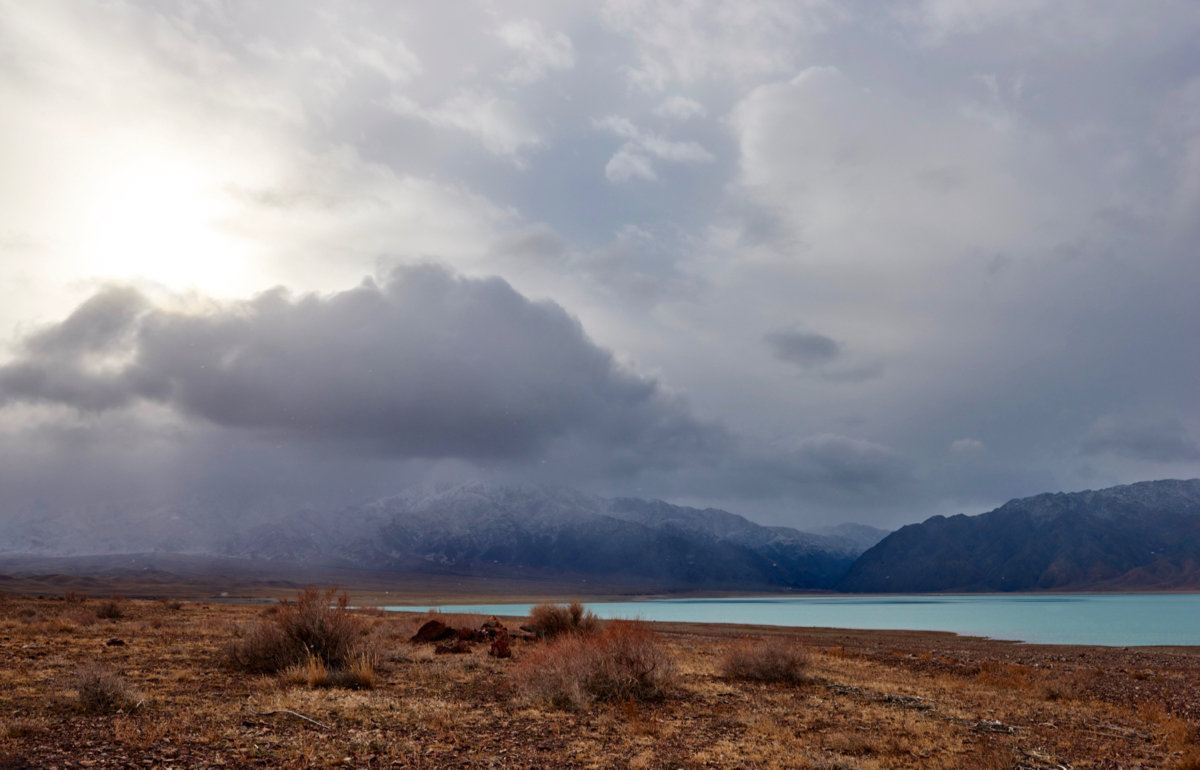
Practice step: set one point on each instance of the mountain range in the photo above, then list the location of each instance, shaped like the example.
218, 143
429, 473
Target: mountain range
1143, 536
486, 529
1138, 536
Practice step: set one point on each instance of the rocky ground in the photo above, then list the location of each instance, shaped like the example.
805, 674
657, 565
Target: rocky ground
867, 700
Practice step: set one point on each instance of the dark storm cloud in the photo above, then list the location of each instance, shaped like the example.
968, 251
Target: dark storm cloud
804, 349
1160, 440
845, 463
427, 364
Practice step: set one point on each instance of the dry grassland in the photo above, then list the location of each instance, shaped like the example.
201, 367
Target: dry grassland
862, 700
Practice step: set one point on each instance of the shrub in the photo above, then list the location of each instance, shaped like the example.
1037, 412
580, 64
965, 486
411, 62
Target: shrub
775, 660
319, 624
551, 620
100, 691
626, 661
110, 609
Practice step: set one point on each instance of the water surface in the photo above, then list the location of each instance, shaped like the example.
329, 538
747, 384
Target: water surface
1122, 620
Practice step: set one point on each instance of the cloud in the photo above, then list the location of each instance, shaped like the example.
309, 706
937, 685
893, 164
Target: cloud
634, 159
496, 122
842, 464
541, 51
821, 354
627, 164
1151, 440
689, 42
804, 349
862, 174
966, 446
680, 108
425, 365
634, 268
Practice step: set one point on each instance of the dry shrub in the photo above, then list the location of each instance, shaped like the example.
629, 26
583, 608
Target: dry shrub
775, 660
110, 609
1188, 760
1180, 733
551, 620
81, 617
1004, 676
319, 624
100, 691
626, 661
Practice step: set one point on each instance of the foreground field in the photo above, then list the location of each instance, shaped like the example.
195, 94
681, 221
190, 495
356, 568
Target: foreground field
866, 700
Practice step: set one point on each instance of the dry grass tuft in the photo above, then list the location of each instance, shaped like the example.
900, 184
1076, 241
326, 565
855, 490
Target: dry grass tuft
319, 624
312, 672
625, 662
100, 691
774, 660
21, 728
552, 620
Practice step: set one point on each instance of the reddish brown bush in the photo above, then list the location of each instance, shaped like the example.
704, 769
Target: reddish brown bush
319, 624
548, 621
624, 662
775, 660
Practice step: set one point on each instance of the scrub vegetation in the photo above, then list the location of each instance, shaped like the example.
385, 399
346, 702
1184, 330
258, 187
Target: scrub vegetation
205, 684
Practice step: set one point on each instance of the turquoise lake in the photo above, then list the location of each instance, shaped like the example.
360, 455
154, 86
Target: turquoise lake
1121, 620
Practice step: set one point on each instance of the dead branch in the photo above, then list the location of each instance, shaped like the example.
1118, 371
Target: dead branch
286, 711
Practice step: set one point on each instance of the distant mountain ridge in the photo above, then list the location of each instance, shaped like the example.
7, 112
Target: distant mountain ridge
1137, 536
507, 530
1143, 536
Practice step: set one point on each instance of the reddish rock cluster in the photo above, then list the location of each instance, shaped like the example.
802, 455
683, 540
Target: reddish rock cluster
454, 641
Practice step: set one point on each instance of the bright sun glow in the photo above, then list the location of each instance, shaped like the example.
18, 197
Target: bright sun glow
161, 220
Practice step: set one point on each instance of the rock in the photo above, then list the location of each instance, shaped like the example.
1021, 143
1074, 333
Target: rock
492, 628
500, 648
452, 648
115, 642
434, 631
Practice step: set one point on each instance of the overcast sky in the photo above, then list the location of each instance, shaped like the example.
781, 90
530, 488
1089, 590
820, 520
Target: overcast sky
808, 261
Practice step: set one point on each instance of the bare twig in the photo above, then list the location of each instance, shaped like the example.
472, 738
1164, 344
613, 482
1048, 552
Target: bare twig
286, 711
1115, 731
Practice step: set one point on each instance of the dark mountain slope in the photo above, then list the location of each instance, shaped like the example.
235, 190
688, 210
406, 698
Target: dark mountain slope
1144, 535
499, 530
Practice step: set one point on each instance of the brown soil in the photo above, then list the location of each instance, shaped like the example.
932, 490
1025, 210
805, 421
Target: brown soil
871, 700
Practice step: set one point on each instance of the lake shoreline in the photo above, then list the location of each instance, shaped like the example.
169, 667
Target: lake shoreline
1111, 620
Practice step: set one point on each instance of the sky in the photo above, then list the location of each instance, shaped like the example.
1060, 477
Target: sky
810, 261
